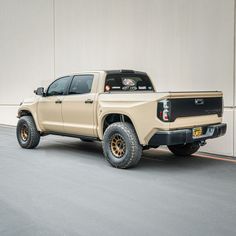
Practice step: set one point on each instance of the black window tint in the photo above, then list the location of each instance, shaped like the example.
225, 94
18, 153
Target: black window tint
128, 82
58, 87
81, 84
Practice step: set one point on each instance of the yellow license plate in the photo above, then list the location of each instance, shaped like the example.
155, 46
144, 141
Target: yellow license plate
197, 132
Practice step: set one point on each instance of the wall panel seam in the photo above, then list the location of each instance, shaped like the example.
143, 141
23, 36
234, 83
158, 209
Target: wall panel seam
54, 39
234, 77
9, 105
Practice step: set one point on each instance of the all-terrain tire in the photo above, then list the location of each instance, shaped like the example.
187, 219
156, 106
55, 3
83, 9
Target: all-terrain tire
184, 149
29, 137
132, 151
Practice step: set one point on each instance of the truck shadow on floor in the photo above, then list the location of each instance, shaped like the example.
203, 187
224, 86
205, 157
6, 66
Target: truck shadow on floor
151, 159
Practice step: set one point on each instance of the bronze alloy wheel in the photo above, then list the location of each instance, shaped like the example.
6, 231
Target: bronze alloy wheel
117, 145
24, 133
121, 145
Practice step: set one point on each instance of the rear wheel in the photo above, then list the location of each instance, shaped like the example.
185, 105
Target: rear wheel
121, 145
184, 149
27, 133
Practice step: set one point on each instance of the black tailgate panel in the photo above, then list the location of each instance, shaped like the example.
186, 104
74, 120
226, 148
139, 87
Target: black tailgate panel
186, 107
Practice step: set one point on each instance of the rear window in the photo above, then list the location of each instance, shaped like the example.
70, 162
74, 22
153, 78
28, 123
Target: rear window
128, 82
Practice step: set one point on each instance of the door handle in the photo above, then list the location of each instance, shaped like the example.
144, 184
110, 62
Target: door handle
58, 101
89, 101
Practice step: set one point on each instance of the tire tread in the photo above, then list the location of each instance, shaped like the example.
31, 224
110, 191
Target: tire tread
184, 150
34, 138
136, 149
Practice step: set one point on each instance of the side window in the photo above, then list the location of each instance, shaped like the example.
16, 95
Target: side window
58, 87
81, 84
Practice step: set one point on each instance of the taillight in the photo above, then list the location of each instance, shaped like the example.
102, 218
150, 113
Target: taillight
164, 110
222, 107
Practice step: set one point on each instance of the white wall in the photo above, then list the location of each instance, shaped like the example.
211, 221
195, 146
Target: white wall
182, 44
26, 49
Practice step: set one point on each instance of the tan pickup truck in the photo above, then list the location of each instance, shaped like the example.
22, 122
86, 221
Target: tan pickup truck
122, 109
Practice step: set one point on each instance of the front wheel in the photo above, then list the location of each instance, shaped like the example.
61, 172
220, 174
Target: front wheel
121, 146
184, 149
27, 133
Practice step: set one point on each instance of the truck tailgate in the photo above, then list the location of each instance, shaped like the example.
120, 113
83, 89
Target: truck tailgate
195, 108
195, 94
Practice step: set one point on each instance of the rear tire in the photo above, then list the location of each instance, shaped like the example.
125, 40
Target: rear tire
27, 134
184, 149
121, 146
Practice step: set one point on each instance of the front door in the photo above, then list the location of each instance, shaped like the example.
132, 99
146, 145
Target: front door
78, 106
49, 106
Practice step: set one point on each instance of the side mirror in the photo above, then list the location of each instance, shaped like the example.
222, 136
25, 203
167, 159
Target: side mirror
40, 91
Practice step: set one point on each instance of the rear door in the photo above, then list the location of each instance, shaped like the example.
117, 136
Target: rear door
78, 107
49, 107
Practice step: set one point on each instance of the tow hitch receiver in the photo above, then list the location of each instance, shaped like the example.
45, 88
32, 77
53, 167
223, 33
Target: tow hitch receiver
202, 143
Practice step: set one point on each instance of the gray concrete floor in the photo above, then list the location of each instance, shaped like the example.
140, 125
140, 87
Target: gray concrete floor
65, 187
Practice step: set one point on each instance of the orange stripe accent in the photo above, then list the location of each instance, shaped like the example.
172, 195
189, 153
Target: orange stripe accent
214, 158
208, 156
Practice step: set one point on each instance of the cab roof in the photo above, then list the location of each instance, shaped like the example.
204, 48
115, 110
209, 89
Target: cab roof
109, 72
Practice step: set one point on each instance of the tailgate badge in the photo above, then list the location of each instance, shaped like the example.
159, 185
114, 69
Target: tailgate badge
199, 101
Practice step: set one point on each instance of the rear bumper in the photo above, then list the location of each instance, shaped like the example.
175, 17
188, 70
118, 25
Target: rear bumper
184, 136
